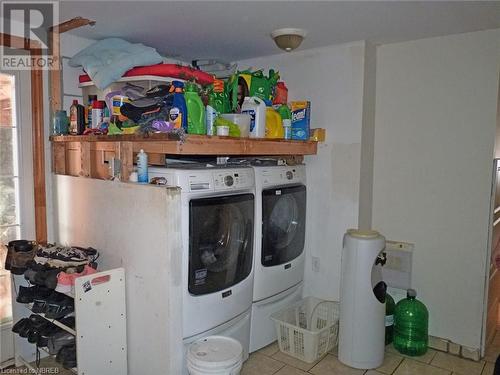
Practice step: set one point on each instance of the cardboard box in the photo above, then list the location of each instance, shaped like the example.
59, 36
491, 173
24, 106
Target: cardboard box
301, 118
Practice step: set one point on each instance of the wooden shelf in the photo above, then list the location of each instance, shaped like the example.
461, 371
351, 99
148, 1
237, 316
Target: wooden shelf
88, 155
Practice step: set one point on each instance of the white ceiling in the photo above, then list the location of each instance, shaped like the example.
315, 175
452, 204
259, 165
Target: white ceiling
240, 29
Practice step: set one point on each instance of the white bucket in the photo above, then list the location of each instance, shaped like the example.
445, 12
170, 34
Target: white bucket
215, 355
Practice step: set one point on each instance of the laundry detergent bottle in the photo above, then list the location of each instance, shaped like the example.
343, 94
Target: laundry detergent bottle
274, 126
195, 110
178, 113
256, 108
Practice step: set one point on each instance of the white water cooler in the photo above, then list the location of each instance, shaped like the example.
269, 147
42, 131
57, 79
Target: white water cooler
361, 326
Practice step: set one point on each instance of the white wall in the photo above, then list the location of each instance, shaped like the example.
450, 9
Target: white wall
152, 263
332, 79
70, 45
434, 136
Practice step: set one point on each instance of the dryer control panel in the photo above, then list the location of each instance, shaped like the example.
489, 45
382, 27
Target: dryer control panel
233, 179
275, 176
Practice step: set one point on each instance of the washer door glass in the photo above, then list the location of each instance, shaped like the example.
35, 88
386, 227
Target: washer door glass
283, 224
220, 242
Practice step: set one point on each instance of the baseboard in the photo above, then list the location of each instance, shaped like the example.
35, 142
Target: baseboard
448, 346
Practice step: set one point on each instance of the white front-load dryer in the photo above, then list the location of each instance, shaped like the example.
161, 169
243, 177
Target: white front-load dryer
280, 222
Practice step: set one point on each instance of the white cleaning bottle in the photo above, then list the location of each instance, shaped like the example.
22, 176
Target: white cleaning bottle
142, 167
256, 108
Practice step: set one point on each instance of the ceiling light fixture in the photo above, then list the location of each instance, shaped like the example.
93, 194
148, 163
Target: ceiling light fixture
288, 39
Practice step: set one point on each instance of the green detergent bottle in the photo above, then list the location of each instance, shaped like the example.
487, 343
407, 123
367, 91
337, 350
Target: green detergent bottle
195, 110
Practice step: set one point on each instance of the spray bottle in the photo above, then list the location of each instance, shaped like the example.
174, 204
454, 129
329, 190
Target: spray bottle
178, 113
142, 167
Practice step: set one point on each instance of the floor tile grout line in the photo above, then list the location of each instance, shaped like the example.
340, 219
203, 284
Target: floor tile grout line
452, 371
399, 365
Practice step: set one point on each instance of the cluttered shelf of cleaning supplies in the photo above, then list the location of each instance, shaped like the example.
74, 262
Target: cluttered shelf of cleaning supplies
182, 101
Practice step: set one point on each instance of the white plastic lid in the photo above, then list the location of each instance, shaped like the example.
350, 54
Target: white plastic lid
215, 351
366, 234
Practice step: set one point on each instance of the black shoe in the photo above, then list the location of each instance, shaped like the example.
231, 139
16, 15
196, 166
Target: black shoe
33, 321
67, 356
40, 299
36, 329
46, 334
20, 325
58, 340
25, 294
29, 294
58, 305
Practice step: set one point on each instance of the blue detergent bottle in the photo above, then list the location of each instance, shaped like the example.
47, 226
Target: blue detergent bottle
178, 113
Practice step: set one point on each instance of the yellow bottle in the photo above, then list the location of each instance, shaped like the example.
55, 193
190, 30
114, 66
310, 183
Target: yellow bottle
274, 126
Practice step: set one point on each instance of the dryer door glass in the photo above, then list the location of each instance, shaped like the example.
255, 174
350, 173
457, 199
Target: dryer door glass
283, 224
220, 242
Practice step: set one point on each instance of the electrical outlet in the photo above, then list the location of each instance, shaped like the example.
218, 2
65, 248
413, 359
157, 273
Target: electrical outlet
315, 264
397, 270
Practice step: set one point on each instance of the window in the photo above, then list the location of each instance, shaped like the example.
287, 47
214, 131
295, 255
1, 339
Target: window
9, 184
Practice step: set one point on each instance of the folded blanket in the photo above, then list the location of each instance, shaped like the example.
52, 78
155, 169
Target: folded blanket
107, 60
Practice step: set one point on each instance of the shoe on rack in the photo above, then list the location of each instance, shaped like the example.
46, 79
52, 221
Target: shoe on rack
47, 278
28, 294
67, 356
66, 280
58, 340
45, 334
20, 325
40, 297
52, 330
58, 305
63, 256
33, 321
35, 330
19, 254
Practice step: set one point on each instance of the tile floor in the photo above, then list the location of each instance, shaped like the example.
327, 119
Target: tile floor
270, 361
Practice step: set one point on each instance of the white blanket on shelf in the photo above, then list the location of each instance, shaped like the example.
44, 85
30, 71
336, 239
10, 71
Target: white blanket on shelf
107, 60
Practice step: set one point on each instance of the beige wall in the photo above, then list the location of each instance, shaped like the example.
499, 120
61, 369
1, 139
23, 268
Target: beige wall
436, 105
332, 79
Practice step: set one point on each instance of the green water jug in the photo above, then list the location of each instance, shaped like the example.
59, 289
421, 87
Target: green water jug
390, 306
195, 110
411, 322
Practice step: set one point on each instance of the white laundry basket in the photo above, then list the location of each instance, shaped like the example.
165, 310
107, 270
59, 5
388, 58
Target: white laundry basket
215, 355
308, 329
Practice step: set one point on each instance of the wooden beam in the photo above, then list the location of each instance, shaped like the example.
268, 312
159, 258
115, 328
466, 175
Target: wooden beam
85, 164
18, 42
38, 151
55, 96
71, 24
55, 74
59, 158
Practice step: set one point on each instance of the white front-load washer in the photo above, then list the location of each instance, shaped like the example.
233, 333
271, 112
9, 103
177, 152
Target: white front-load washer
217, 224
280, 222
